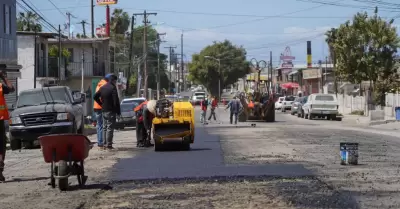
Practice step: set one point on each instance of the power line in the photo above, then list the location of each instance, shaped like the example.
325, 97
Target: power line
43, 23
62, 13
387, 9
40, 16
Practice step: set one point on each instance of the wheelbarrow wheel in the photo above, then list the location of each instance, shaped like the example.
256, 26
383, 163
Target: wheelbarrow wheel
63, 171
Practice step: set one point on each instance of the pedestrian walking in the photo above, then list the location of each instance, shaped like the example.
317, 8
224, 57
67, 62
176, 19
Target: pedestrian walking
107, 98
5, 88
99, 116
214, 105
234, 106
203, 105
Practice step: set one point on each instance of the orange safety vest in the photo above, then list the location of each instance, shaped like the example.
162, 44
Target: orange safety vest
139, 107
4, 115
101, 83
251, 105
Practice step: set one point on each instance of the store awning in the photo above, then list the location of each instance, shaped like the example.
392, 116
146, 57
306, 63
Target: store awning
290, 85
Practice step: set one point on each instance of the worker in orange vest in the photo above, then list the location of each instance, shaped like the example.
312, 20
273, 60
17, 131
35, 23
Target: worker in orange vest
99, 115
5, 88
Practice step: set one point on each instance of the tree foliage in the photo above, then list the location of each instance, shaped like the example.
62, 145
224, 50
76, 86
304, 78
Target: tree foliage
205, 71
28, 21
364, 50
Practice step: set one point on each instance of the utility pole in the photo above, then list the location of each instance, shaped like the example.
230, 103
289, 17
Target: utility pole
83, 23
270, 65
128, 74
183, 76
92, 18
82, 70
69, 15
158, 63
170, 66
326, 67
145, 22
59, 53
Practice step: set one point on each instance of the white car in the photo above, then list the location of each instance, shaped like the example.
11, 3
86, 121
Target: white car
321, 105
287, 103
278, 104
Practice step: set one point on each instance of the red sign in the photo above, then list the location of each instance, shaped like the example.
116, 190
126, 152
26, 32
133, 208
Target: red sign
106, 2
101, 31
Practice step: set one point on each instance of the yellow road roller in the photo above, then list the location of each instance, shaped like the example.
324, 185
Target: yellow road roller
173, 124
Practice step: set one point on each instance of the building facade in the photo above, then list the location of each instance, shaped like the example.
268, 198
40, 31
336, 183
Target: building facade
8, 46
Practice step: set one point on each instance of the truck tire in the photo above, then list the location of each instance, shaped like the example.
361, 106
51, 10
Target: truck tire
62, 171
15, 144
82, 127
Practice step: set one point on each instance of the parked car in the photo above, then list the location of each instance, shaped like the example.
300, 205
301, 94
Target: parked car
287, 103
128, 116
197, 97
321, 106
278, 104
295, 106
43, 111
137, 100
300, 111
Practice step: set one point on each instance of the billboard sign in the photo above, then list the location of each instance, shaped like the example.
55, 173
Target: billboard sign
106, 2
101, 31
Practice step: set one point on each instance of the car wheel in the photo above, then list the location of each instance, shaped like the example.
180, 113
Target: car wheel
298, 115
310, 116
305, 116
328, 117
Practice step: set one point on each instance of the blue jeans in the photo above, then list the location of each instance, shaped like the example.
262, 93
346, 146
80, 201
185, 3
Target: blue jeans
99, 127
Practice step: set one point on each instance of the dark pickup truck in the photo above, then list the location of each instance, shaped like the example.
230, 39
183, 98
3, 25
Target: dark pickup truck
43, 111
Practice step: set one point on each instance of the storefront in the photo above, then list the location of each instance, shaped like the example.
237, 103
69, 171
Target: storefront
312, 81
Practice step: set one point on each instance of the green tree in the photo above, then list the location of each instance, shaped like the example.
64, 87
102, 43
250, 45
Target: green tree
365, 50
53, 62
331, 37
28, 21
206, 71
119, 21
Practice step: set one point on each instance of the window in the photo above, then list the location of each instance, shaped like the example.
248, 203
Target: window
71, 57
324, 98
7, 18
96, 55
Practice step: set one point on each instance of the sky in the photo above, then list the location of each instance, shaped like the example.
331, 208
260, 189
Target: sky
260, 26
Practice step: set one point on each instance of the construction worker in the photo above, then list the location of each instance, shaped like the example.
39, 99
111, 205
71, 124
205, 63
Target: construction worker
145, 113
99, 115
107, 98
234, 106
214, 104
5, 88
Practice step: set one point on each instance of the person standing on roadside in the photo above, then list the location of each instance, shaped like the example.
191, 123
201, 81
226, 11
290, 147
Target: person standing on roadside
107, 98
234, 106
99, 116
214, 104
5, 88
203, 105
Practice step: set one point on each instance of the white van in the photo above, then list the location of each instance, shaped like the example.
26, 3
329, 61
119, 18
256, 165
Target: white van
321, 105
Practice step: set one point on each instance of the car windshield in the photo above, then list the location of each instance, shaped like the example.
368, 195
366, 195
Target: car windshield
43, 96
128, 107
131, 101
324, 98
290, 98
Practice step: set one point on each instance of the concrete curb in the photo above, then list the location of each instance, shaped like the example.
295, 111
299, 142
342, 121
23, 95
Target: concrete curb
380, 122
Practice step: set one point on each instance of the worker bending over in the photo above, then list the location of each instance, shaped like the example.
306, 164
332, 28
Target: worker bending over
145, 113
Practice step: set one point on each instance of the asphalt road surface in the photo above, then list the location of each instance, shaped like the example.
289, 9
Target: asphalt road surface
292, 163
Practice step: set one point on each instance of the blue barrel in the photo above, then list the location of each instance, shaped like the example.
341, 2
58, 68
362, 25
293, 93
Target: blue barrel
348, 153
397, 111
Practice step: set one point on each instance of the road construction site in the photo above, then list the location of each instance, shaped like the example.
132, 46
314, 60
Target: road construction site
291, 163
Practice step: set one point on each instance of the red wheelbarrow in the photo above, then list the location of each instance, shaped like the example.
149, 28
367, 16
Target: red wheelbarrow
65, 153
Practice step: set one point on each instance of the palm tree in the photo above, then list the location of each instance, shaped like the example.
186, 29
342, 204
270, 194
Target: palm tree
28, 21
330, 40
120, 22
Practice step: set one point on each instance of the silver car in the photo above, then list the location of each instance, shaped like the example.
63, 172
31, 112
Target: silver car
128, 116
300, 111
295, 106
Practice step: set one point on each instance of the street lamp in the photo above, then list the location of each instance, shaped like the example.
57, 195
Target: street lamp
258, 64
219, 72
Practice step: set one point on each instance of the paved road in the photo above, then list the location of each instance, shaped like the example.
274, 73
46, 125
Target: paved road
290, 147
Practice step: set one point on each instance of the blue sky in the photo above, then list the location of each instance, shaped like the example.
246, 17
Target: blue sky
267, 25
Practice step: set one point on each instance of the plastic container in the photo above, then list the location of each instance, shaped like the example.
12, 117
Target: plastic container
348, 153
397, 111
